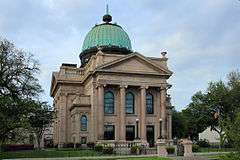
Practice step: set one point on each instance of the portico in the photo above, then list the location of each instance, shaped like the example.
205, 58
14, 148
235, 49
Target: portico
120, 119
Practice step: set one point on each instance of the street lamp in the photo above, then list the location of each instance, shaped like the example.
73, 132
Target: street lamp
160, 128
137, 121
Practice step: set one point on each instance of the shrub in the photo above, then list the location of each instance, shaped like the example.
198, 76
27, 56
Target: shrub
68, 145
170, 150
98, 148
108, 150
17, 147
195, 148
203, 143
230, 156
78, 145
135, 149
91, 145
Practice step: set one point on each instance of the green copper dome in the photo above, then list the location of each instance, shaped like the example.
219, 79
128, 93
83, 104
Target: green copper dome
107, 34
108, 37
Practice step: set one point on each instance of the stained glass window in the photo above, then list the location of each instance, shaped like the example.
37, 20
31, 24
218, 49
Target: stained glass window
83, 123
149, 103
108, 102
129, 103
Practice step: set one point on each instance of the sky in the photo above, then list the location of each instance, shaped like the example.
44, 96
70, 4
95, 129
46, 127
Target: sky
202, 37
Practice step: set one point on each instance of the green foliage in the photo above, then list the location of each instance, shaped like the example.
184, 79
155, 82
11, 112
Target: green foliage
178, 124
195, 148
17, 86
218, 104
203, 143
98, 148
135, 149
232, 130
91, 144
39, 119
230, 156
19, 89
170, 150
108, 150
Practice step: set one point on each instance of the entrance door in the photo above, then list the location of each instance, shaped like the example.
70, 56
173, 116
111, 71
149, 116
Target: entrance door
150, 135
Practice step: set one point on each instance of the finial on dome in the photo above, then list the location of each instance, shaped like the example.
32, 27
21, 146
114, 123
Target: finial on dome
107, 17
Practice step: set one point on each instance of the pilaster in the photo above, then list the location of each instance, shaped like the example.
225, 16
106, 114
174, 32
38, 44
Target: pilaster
63, 120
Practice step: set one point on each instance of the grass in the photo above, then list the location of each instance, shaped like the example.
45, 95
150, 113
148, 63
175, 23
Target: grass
64, 153
216, 149
49, 154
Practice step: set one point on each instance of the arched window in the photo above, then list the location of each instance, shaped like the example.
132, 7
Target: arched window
108, 102
129, 103
83, 122
149, 103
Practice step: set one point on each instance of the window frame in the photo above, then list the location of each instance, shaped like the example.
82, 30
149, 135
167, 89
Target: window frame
81, 123
112, 103
133, 103
152, 103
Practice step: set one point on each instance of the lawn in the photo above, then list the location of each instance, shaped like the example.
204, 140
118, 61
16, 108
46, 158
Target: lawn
216, 149
64, 153
48, 154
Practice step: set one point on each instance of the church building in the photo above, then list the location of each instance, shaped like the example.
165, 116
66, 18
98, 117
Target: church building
116, 95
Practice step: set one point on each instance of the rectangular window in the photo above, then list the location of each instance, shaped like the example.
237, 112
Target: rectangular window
109, 132
130, 133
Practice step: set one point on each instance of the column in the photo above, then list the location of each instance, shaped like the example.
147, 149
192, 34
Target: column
100, 112
122, 127
163, 110
143, 114
170, 125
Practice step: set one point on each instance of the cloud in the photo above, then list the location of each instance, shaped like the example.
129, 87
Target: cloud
201, 37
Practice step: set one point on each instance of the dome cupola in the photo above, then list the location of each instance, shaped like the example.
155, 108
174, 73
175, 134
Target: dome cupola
110, 37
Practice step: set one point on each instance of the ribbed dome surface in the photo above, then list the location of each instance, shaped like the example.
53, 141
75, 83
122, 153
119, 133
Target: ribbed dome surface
107, 34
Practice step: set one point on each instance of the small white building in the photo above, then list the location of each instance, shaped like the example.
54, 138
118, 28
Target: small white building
211, 135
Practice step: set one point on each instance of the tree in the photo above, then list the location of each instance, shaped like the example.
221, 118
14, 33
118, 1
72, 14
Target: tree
178, 124
214, 107
39, 119
18, 87
232, 131
197, 115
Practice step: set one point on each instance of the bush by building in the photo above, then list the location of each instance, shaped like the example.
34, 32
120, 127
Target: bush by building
203, 143
195, 148
170, 150
17, 147
107, 150
98, 148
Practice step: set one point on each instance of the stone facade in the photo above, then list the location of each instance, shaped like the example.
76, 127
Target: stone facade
79, 98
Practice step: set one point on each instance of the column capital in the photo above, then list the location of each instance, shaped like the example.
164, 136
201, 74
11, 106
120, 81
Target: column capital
144, 87
123, 86
100, 85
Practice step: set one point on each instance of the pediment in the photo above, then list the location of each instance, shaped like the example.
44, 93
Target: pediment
134, 63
